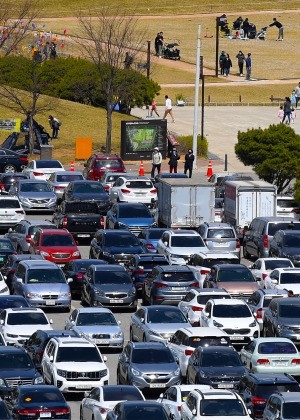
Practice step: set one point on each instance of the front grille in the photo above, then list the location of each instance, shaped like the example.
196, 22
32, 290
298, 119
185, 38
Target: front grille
86, 376
101, 335
242, 331
116, 295
161, 379
14, 382
225, 379
136, 229
50, 297
241, 295
44, 201
58, 256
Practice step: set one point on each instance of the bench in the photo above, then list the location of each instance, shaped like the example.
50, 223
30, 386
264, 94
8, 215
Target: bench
272, 99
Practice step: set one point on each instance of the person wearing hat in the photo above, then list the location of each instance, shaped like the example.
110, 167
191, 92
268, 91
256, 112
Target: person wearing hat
221, 62
156, 161
173, 162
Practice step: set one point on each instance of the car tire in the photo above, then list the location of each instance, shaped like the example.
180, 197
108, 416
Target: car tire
9, 168
251, 368
118, 378
245, 253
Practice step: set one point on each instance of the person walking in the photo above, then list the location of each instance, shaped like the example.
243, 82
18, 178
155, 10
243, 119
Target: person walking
248, 66
280, 29
189, 162
246, 28
173, 162
227, 63
128, 60
55, 125
154, 109
156, 44
287, 110
297, 94
293, 115
156, 161
168, 109
221, 62
281, 113
293, 99
241, 58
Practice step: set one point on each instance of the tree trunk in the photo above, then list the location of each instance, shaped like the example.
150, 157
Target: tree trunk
109, 128
31, 133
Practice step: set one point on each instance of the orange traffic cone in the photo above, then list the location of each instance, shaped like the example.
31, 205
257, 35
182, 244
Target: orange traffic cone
142, 172
209, 170
72, 166
160, 172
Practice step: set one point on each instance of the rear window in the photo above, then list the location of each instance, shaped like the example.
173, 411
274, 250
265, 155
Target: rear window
107, 163
177, 277
238, 274
9, 204
273, 227
147, 265
48, 164
112, 178
218, 204
139, 184
209, 341
231, 311
212, 261
290, 278
33, 229
68, 178
286, 203
264, 391
121, 394
267, 300
220, 233
6, 246
276, 348
203, 299
273, 264
156, 234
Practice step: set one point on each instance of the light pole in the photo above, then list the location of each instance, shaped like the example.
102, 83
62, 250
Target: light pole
195, 130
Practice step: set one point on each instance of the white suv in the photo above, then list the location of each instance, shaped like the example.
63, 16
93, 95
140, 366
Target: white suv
11, 211
213, 405
74, 364
233, 316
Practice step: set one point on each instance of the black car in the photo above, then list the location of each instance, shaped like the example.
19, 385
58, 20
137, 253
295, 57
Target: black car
217, 366
136, 410
286, 244
108, 286
220, 189
36, 344
4, 411
7, 179
13, 301
86, 191
11, 161
114, 246
255, 389
6, 249
43, 401
139, 266
76, 270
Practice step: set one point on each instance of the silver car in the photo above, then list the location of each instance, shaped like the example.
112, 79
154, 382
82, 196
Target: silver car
110, 177
98, 324
34, 195
59, 180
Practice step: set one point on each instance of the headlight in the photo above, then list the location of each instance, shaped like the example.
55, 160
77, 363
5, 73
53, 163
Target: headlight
12, 335
151, 332
175, 256
2, 383
217, 324
253, 324
4, 290
153, 224
136, 372
24, 200
283, 327
44, 254
176, 372
62, 373
65, 295
132, 292
52, 199
76, 254
202, 374
122, 224
39, 380
107, 254
118, 335
33, 295
99, 292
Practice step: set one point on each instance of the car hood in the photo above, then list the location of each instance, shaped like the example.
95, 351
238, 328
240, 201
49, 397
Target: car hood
25, 329
234, 371
136, 221
152, 368
186, 250
81, 366
23, 373
90, 196
49, 288
114, 288
99, 329
37, 195
291, 322
122, 250
168, 328
238, 286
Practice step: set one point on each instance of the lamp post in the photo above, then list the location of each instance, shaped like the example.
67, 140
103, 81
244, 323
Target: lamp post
195, 128
148, 59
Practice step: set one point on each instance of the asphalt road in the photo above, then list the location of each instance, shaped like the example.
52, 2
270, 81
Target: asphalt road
59, 323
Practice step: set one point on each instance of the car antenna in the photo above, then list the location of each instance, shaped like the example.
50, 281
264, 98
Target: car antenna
291, 225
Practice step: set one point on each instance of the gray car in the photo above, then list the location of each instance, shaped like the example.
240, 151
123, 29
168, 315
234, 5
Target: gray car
34, 195
58, 181
42, 283
98, 324
21, 234
148, 365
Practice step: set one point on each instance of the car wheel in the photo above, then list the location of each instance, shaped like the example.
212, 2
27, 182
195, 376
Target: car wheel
9, 168
245, 253
118, 378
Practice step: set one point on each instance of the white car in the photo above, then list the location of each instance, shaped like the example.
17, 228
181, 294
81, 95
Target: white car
42, 169
284, 278
74, 364
179, 245
175, 396
233, 316
18, 324
101, 399
133, 190
262, 267
285, 206
185, 340
4, 290
11, 211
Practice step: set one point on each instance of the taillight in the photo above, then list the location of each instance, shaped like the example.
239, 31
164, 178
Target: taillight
91, 174
161, 285
149, 246
103, 410
266, 242
259, 313
264, 276
238, 245
179, 407
28, 238
32, 413
79, 276
258, 401
125, 191
138, 272
194, 284
217, 213
106, 187
41, 352
196, 308
23, 159
12, 271
296, 362
38, 173
188, 352
59, 187
204, 271
102, 222
2, 187
65, 222
153, 191
263, 361
19, 211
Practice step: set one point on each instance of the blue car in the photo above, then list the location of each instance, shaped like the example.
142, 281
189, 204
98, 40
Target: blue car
131, 216
148, 239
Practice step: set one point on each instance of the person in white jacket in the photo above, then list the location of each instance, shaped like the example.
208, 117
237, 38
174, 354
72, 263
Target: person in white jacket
156, 161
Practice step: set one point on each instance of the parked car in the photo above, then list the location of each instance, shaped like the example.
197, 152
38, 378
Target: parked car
282, 405
58, 181
220, 237
133, 190
287, 278
4, 411
97, 165
12, 161
86, 191
149, 238
286, 244
285, 206
110, 177
12, 302
137, 410
6, 250
42, 169
7, 179
262, 267
11, 211
34, 195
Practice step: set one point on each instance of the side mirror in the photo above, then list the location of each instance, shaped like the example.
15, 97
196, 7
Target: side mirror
143, 320
249, 411
206, 314
274, 281
50, 321
126, 360
194, 412
70, 280
51, 358
119, 322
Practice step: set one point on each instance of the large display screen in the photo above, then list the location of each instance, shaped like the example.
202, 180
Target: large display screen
138, 139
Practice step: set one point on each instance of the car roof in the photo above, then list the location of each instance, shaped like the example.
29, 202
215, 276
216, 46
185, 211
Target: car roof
67, 173
290, 231
94, 310
95, 155
73, 341
5, 240
204, 331
272, 340
32, 181
209, 290
272, 292
8, 197
83, 181
41, 264
24, 310
288, 270
183, 232
142, 404
116, 231
37, 221
217, 349
39, 387
218, 393
218, 225
133, 205
57, 333
135, 178
229, 302
150, 256
174, 268
289, 396
108, 267
12, 349
153, 308
271, 377
55, 232
231, 266
288, 301
149, 345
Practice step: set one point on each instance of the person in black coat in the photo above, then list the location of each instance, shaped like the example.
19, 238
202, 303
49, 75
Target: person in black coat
189, 162
174, 158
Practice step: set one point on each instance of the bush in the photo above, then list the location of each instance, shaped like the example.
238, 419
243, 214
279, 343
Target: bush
186, 143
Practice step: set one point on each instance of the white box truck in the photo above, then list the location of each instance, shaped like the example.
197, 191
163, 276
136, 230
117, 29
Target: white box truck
184, 203
245, 200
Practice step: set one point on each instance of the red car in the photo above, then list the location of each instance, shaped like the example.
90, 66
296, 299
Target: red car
56, 245
97, 165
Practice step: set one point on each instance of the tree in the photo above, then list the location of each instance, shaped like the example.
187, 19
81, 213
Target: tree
105, 41
274, 153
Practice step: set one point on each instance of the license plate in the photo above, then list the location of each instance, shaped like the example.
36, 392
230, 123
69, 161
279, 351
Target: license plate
222, 244
116, 301
101, 341
83, 386
236, 337
178, 288
83, 235
45, 414
157, 385
225, 385
280, 363
39, 205
140, 193
50, 302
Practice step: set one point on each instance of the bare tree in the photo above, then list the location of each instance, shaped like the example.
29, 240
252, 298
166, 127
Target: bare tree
17, 21
105, 40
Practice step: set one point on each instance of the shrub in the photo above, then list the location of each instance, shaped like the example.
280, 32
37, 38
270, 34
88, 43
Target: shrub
186, 143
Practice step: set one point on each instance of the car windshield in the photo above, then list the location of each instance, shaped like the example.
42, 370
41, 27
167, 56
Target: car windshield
209, 262
290, 410
131, 212
264, 391
152, 356
122, 394
286, 203
6, 246
220, 233
57, 240
41, 276
110, 277
273, 264
270, 347
121, 240
155, 233
235, 274
80, 265
78, 354
107, 163
15, 361
48, 164
222, 407
289, 311
33, 229
209, 341
111, 178
292, 241
148, 265
267, 299
139, 184
83, 188
274, 227
89, 319
202, 299
25, 318
178, 276
13, 302
68, 178
287, 278
37, 396
4, 414
165, 316
9, 204
146, 413
231, 311
220, 359
35, 187
186, 241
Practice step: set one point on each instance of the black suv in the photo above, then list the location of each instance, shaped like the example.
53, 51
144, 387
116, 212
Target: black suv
286, 244
255, 389
139, 266
7, 179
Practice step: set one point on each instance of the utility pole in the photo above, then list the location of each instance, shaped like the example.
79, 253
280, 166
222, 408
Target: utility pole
202, 97
195, 130
217, 46
148, 59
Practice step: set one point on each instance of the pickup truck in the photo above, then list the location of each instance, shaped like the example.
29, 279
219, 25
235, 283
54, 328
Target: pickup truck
81, 218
